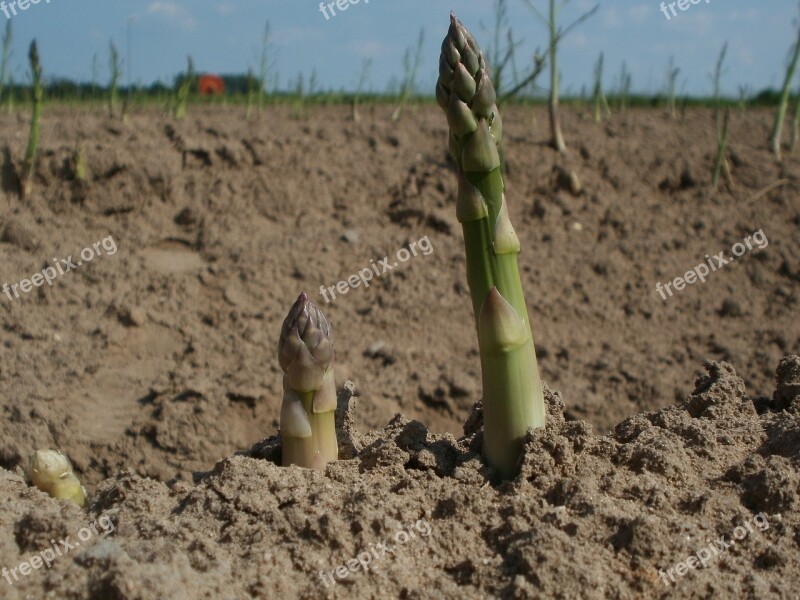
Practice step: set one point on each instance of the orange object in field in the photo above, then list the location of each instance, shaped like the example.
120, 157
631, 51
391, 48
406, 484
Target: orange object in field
211, 85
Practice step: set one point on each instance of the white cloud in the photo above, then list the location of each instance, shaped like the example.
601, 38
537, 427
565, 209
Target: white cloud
578, 39
368, 49
611, 17
173, 12
640, 13
746, 56
296, 35
225, 9
98, 36
748, 16
702, 23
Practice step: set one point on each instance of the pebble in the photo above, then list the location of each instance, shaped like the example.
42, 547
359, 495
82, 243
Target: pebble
350, 236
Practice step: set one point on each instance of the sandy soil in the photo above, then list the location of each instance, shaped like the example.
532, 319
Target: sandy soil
153, 364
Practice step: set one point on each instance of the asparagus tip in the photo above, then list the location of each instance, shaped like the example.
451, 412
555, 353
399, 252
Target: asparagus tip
51, 472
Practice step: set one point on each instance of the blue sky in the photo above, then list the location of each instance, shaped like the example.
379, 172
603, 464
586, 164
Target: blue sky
224, 36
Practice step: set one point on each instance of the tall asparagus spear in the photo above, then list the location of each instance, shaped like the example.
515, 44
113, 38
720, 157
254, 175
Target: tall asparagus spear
305, 352
512, 391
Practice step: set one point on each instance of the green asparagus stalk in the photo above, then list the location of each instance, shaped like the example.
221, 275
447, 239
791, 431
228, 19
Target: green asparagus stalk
184, 90
783, 105
672, 78
305, 352
624, 87
512, 391
264, 66
795, 127
251, 93
51, 472
555, 116
37, 92
598, 96
10, 95
411, 68
81, 169
115, 69
722, 146
5, 54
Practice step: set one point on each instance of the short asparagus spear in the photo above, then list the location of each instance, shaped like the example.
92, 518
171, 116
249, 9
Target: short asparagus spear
305, 352
512, 391
51, 472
